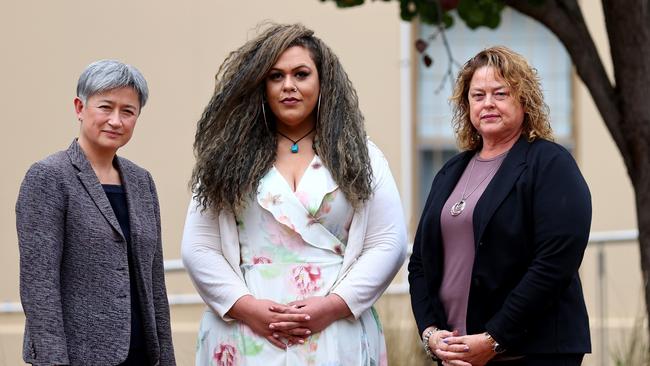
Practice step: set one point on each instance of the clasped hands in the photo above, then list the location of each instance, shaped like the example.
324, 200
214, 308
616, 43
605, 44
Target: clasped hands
455, 350
287, 324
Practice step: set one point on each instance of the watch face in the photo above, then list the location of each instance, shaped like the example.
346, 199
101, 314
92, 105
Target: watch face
499, 348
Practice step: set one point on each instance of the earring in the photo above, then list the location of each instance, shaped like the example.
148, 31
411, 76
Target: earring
314, 144
264, 115
318, 109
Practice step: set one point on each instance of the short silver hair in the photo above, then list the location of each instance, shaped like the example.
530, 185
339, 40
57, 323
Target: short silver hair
105, 75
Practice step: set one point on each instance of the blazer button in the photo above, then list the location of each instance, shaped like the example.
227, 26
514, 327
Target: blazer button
480, 243
476, 282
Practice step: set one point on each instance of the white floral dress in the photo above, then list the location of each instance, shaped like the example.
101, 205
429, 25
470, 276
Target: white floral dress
292, 246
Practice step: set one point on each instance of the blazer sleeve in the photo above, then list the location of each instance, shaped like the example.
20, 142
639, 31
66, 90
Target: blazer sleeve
160, 300
40, 224
202, 252
561, 217
384, 246
422, 302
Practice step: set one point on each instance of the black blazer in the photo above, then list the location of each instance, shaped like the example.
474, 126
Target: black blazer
531, 228
74, 272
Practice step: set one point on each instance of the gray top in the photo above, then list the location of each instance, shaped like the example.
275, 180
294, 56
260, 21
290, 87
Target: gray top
458, 238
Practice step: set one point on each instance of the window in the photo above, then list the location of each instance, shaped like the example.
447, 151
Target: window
434, 137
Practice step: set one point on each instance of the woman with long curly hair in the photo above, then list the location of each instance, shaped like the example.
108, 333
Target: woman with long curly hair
295, 227
494, 271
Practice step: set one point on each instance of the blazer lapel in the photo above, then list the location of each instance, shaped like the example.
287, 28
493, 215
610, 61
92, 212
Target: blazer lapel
132, 187
90, 182
497, 190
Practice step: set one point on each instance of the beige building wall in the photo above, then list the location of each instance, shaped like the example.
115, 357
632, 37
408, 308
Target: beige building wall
178, 46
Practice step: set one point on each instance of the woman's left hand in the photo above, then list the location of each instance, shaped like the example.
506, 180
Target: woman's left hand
323, 311
479, 352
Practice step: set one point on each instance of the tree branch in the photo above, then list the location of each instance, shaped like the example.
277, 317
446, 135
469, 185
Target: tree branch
629, 36
564, 18
451, 62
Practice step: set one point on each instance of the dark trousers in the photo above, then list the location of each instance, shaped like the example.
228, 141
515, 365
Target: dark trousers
543, 360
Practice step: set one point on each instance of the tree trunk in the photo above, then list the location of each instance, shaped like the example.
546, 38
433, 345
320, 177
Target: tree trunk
624, 106
628, 28
643, 216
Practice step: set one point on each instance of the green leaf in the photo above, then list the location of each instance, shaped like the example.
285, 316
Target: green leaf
492, 20
346, 3
447, 20
408, 10
428, 11
469, 12
475, 13
478, 13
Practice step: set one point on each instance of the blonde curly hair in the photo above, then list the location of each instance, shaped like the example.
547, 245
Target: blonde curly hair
524, 83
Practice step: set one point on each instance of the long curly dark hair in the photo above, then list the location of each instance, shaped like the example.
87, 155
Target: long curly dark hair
234, 146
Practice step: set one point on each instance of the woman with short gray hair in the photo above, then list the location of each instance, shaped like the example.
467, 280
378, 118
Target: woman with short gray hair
92, 281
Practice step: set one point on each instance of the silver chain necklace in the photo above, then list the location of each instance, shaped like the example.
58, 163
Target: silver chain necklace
458, 207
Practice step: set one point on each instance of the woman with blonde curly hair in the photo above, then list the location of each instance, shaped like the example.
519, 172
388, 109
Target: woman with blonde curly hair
295, 227
494, 270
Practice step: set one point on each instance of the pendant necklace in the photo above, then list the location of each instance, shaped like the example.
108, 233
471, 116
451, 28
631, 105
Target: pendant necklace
294, 147
458, 207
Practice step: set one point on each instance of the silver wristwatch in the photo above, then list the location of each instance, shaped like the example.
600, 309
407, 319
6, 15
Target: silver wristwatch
425, 343
496, 347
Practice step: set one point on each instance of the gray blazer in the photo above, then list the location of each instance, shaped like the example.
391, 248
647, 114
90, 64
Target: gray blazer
74, 273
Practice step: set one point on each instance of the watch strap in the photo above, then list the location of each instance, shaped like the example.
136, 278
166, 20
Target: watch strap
496, 347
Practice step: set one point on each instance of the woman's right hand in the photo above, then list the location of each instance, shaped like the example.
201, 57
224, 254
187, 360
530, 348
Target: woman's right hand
442, 349
257, 315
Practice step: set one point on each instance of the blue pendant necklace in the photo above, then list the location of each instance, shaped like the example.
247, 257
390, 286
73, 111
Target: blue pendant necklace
294, 147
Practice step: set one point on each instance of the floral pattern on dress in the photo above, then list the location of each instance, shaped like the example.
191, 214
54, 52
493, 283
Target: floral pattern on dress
271, 199
306, 279
262, 260
225, 354
249, 343
291, 247
282, 235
